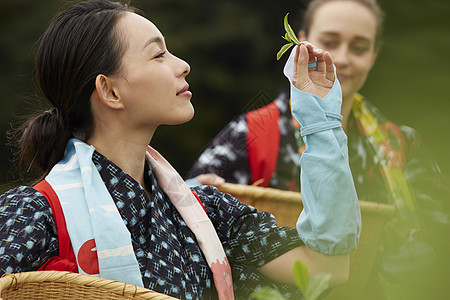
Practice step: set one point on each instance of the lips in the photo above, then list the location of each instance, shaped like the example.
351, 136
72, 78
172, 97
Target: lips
342, 77
183, 90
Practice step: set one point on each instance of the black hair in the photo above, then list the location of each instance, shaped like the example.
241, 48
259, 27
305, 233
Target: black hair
80, 43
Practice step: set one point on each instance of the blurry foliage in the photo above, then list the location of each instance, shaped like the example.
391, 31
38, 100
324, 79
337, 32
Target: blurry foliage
311, 286
231, 47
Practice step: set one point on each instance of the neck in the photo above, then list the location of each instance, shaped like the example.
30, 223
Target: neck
347, 104
127, 152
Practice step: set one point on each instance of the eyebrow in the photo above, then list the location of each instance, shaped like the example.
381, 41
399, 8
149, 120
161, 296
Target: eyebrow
155, 39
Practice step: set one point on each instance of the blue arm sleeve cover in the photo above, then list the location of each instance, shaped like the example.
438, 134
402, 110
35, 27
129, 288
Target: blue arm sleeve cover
330, 222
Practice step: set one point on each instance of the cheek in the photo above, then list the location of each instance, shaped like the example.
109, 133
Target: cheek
361, 70
363, 65
150, 89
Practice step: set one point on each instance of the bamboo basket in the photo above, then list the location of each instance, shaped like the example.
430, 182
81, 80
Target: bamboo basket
286, 207
50, 285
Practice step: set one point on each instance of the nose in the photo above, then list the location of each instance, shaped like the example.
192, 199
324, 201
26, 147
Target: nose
184, 67
340, 56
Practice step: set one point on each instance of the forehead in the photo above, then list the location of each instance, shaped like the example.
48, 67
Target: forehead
137, 30
347, 18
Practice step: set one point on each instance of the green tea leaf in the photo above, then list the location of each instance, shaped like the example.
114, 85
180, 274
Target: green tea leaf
283, 49
289, 31
301, 276
267, 293
317, 285
287, 38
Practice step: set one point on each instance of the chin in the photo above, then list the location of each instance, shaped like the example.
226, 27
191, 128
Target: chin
190, 115
346, 91
186, 117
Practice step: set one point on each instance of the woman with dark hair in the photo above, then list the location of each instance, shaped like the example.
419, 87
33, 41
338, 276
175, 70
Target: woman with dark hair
109, 205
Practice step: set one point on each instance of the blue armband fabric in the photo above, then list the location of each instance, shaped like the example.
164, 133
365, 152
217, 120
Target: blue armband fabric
330, 222
321, 126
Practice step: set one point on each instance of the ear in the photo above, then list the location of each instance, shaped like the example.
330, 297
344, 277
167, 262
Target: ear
108, 92
301, 36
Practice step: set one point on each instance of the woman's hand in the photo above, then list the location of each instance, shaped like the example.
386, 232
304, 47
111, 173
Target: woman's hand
316, 81
210, 179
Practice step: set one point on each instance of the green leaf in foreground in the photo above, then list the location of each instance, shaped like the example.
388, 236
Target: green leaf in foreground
301, 276
283, 49
317, 285
311, 286
267, 293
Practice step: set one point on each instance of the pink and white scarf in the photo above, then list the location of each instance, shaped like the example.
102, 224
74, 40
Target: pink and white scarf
198, 222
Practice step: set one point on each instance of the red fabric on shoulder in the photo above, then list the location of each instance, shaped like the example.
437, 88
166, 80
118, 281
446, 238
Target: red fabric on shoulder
66, 260
263, 142
57, 263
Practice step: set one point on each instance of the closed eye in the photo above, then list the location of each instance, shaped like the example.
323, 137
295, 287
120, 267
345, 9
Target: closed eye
161, 55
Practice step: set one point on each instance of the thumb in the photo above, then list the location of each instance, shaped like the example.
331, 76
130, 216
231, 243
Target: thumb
300, 78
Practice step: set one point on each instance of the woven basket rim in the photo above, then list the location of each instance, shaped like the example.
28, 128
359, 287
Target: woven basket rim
12, 281
265, 193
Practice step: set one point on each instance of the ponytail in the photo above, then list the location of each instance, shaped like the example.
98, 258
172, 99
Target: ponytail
41, 141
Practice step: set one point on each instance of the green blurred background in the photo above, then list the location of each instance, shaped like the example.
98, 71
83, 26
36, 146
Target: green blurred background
231, 47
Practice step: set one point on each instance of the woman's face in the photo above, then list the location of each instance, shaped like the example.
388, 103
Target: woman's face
347, 30
151, 81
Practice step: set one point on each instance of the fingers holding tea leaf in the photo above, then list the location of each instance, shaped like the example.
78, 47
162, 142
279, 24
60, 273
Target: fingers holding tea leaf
309, 47
329, 67
311, 53
301, 77
324, 62
295, 74
319, 57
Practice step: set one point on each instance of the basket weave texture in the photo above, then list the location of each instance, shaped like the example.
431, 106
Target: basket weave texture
49, 285
286, 207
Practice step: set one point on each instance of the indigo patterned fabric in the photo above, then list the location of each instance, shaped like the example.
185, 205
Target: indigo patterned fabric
169, 257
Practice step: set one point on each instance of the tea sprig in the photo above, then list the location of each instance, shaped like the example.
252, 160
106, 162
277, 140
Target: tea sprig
289, 36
